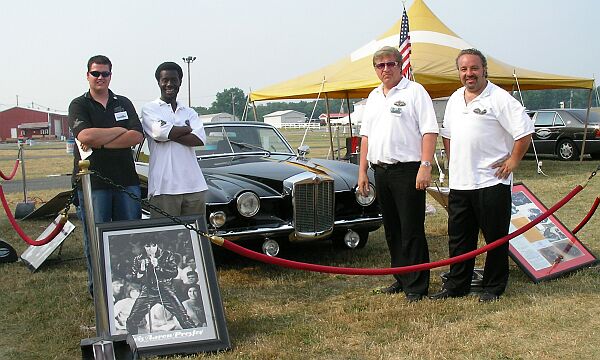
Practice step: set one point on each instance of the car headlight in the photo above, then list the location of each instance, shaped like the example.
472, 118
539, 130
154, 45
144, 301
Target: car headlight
248, 204
365, 200
217, 219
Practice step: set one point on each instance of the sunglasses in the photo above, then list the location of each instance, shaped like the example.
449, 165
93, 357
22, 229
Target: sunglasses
382, 66
97, 74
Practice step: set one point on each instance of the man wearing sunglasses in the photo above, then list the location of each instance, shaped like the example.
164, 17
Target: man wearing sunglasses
399, 131
105, 126
175, 182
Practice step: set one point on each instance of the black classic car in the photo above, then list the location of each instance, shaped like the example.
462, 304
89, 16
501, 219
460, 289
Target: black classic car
260, 190
560, 132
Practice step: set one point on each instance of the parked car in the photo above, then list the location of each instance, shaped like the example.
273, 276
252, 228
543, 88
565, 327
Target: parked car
260, 190
560, 132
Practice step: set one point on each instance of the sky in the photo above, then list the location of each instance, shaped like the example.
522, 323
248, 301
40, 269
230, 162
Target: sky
253, 44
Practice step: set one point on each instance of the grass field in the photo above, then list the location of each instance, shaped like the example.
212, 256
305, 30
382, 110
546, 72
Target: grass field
276, 313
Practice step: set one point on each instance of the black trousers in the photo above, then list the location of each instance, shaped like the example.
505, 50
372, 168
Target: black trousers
487, 209
403, 209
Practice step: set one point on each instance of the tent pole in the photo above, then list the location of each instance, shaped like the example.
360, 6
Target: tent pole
329, 125
585, 126
254, 111
349, 111
245, 113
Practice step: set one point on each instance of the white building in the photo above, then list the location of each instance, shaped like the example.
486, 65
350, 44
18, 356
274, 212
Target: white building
355, 116
285, 118
220, 117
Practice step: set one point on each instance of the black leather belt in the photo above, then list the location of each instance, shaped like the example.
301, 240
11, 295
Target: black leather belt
394, 165
385, 165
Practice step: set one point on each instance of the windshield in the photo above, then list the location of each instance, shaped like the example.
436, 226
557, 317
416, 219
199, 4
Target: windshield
242, 139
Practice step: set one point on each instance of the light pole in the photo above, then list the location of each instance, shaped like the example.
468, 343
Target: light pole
188, 60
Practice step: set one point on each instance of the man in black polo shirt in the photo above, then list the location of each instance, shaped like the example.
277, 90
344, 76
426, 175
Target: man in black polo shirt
105, 126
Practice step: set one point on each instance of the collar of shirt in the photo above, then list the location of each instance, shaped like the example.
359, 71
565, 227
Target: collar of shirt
111, 96
403, 84
160, 102
487, 91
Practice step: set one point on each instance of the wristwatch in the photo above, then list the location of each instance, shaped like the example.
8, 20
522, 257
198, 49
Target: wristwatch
425, 163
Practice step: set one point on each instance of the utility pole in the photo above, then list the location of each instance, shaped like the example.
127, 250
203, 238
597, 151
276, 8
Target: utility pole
233, 104
188, 60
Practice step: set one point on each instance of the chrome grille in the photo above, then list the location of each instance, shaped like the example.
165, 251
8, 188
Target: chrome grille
313, 207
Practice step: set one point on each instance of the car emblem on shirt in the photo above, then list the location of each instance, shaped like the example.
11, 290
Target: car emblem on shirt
480, 111
400, 103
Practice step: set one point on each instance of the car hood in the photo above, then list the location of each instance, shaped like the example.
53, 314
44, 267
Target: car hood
265, 175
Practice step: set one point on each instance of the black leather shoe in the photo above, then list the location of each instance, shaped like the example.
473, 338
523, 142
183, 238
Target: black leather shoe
488, 297
444, 294
411, 298
392, 289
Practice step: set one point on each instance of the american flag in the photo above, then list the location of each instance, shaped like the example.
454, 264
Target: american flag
405, 46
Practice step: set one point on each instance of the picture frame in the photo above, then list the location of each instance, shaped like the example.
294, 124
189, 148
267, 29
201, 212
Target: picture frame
161, 287
549, 249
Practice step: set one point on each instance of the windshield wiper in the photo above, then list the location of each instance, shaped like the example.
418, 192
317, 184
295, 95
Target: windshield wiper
244, 145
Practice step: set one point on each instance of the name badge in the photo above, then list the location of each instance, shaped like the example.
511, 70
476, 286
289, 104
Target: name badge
395, 109
120, 116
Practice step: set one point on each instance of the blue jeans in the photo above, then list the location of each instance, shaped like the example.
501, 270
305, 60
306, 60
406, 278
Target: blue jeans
109, 205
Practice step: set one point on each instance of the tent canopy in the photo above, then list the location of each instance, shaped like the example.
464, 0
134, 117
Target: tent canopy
434, 50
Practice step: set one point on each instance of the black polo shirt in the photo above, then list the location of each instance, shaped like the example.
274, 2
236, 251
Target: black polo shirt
115, 164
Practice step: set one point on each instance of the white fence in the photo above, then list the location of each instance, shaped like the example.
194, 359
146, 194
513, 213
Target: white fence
313, 125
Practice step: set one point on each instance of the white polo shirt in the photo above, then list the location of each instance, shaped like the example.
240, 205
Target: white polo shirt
395, 124
482, 133
173, 167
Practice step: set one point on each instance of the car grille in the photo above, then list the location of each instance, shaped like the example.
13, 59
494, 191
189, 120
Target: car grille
313, 207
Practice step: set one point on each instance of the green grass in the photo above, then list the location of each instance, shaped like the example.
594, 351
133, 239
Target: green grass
277, 313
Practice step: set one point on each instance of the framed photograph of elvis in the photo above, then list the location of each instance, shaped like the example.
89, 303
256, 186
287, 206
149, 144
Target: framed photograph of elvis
549, 249
162, 287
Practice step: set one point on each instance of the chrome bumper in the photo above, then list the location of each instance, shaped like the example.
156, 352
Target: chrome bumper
288, 230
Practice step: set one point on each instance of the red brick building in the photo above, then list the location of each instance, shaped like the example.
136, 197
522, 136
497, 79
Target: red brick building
18, 122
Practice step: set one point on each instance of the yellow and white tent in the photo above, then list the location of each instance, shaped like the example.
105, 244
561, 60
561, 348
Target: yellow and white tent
434, 50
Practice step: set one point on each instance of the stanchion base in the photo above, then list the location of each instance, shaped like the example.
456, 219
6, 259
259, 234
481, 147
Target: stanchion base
7, 253
23, 209
476, 282
121, 348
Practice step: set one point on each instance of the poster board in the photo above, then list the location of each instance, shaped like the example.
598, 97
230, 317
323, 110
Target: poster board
549, 249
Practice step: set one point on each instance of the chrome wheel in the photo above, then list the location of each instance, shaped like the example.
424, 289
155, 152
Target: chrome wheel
566, 150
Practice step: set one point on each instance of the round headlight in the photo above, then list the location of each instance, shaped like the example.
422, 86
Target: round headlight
217, 219
366, 200
248, 204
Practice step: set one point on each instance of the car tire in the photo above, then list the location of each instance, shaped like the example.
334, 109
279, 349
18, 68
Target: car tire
566, 150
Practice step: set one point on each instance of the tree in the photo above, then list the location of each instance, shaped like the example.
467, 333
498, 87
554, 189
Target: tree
548, 99
229, 99
201, 110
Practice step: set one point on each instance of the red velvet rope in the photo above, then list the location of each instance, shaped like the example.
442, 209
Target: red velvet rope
587, 217
12, 174
22, 234
397, 270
